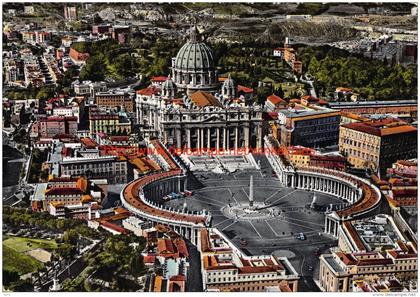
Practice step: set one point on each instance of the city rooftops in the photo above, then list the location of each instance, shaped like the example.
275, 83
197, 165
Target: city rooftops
244, 89
294, 113
57, 119
383, 127
149, 91
276, 100
159, 78
339, 105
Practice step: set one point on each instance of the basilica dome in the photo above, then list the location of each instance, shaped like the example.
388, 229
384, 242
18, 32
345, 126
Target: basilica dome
194, 55
193, 67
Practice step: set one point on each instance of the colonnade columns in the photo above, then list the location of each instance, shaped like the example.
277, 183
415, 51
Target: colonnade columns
247, 137
224, 139
331, 226
236, 137
208, 138
218, 138
178, 138
198, 139
202, 138
189, 138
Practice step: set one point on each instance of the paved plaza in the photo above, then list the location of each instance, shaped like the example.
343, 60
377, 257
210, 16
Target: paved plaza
284, 215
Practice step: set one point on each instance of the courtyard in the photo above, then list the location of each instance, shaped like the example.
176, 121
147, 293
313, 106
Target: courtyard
281, 221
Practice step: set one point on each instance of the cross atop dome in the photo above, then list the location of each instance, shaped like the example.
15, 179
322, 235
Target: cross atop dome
194, 35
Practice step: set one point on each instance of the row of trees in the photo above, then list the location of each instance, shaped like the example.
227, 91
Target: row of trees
42, 93
35, 172
22, 216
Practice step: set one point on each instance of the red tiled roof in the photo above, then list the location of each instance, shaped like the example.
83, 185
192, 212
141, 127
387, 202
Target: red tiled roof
356, 239
178, 277
275, 100
269, 116
114, 227
149, 91
159, 78
149, 259
407, 163
165, 246
372, 262
382, 127
347, 259
51, 100
181, 247
205, 245
310, 98
202, 99
88, 142
162, 151
244, 89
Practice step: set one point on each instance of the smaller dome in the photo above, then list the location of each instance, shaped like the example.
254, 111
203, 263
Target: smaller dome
168, 84
229, 83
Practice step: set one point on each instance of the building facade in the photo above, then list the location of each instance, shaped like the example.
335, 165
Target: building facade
338, 270
109, 122
54, 125
309, 128
115, 99
378, 144
111, 168
225, 268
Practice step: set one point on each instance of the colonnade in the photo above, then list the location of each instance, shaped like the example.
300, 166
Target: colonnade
320, 183
153, 192
156, 190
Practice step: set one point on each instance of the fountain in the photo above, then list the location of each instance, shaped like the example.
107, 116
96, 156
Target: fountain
247, 211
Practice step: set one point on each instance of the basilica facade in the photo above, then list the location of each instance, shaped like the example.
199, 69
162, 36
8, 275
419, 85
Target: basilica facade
193, 110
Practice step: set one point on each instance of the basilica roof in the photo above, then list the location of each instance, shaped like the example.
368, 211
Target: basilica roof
202, 99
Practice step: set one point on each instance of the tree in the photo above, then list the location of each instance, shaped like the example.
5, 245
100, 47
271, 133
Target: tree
137, 267
279, 92
66, 251
44, 93
71, 237
44, 174
95, 69
263, 93
9, 277
97, 19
